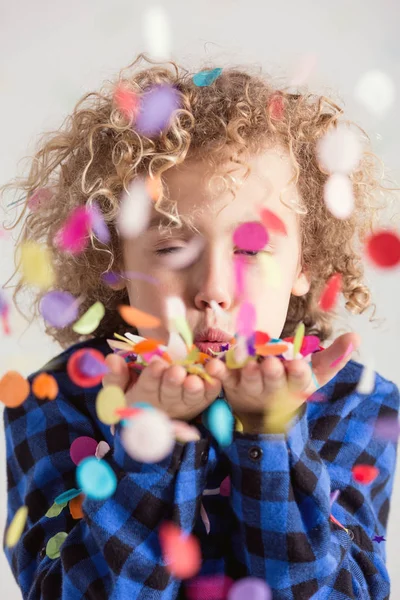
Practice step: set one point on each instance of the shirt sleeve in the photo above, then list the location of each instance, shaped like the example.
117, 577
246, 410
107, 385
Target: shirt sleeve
280, 498
113, 551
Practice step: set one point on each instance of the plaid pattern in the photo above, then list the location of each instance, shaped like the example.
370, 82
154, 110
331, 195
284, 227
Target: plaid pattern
276, 524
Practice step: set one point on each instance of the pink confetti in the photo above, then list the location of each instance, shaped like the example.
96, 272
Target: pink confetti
225, 487
73, 237
126, 101
82, 447
181, 552
102, 449
246, 319
250, 587
208, 587
39, 197
239, 263
251, 236
343, 357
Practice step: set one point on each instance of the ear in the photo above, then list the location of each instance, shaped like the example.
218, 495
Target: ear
301, 284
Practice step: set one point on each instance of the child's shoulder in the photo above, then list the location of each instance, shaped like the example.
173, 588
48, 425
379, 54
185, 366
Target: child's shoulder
58, 364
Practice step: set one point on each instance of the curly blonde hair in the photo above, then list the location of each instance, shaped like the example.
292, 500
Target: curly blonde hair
97, 152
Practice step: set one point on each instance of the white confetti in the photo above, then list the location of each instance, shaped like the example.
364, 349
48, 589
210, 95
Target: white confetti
176, 347
135, 210
338, 196
376, 91
157, 33
149, 437
339, 151
366, 383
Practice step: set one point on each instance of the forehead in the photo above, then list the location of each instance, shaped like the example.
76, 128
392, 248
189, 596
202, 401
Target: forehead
208, 197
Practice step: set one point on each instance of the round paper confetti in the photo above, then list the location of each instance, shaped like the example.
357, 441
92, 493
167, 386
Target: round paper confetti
330, 293
251, 236
338, 196
126, 100
108, 400
206, 78
135, 209
59, 309
67, 496
14, 389
149, 438
45, 387
90, 320
220, 421
16, 527
181, 552
36, 265
81, 448
276, 107
210, 587
156, 109
250, 587
376, 91
365, 474
96, 478
339, 151
73, 237
383, 249
137, 318
387, 428
75, 371
54, 544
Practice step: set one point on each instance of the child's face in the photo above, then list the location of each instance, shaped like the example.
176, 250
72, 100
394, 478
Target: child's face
216, 215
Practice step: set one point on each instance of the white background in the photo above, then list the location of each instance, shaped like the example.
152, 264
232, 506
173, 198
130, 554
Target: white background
51, 53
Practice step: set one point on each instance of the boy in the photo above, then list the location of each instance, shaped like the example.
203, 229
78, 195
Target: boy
232, 147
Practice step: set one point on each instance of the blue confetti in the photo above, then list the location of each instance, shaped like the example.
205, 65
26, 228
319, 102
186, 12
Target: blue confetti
96, 478
220, 422
67, 496
205, 78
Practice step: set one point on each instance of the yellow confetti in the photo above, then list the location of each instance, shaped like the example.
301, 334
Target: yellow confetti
271, 270
16, 527
90, 320
231, 362
36, 265
108, 401
197, 370
298, 339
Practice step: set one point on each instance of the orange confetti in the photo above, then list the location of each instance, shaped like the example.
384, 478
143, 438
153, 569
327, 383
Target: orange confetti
75, 507
137, 318
154, 187
44, 386
271, 349
181, 553
14, 389
146, 346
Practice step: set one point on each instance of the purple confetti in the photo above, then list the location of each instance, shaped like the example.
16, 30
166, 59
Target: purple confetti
111, 278
139, 275
250, 587
91, 367
99, 226
387, 428
334, 496
3, 304
59, 309
156, 108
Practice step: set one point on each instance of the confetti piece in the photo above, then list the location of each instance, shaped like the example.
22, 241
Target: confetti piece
250, 587
36, 265
343, 357
206, 78
338, 196
261, 338
387, 428
135, 209
102, 449
59, 309
39, 198
55, 510
298, 339
96, 478
157, 33
272, 222
90, 320
339, 151
246, 319
177, 349
45, 387
126, 100
366, 383
16, 527
365, 474
333, 496
149, 438
82, 447
225, 487
90, 366
181, 552
14, 389
276, 107
239, 263
310, 344
251, 236
272, 349
383, 249
108, 400
67, 496
220, 421
210, 587
185, 256
154, 187
54, 544
137, 318
231, 360
156, 109
146, 346
75, 372
330, 293
376, 91
97, 223
183, 432
73, 237
75, 507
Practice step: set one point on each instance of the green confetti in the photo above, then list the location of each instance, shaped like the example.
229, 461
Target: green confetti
55, 510
298, 339
54, 544
90, 320
182, 327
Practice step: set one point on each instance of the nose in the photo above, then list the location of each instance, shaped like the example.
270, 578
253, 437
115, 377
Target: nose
213, 283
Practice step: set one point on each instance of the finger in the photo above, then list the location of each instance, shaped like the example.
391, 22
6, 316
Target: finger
252, 379
171, 389
213, 389
150, 378
327, 363
298, 374
193, 392
118, 372
273, 373
228, 377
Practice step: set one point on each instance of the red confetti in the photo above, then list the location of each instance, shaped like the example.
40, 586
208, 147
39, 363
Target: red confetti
181, 553
330, 293
383, 249
261, 338
75, 373
272, 222
276, 107
365, 474
127, 101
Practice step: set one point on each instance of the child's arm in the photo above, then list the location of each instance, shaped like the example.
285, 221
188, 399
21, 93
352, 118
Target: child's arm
112, 552
281, 489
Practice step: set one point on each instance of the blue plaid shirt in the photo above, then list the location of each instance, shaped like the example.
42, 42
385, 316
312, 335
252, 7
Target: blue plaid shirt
275, 525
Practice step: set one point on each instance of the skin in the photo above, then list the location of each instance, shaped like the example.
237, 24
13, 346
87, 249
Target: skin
266, 396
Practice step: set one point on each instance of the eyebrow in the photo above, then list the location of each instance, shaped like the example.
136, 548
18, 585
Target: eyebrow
162, 221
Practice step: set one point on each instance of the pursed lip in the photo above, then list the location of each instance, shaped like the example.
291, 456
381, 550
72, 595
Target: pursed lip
213, 335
